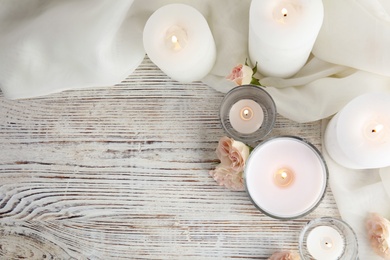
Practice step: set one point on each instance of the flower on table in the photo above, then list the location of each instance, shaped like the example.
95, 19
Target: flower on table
378, 233
242, 74
284, 255
232, 155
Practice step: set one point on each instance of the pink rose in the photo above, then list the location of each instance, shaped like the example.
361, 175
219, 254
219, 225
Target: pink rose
285, 255
233, 155
378, 233
241, 75
227, 177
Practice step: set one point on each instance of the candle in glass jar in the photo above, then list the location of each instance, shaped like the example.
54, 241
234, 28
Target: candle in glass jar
325, 243
246, 116
358, 137
247, 113
282, 34
178, 40
285, 177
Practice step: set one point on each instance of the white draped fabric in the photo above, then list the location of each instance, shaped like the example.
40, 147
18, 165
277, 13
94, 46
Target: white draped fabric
50, 46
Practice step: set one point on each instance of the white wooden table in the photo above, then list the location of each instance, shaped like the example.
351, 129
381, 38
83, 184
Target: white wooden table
121, 172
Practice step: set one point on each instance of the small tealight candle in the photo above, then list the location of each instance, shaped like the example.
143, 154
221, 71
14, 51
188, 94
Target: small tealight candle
247, 113
282, 34
285, 177
325, 243
358, 137
328, 239
246, 116
178, 40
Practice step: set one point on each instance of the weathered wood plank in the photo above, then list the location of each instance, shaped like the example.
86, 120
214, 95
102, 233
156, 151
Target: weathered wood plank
122, 172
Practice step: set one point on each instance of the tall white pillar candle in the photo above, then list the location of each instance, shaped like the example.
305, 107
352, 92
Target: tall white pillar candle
285, 177
358, 137
282, 34
178, 40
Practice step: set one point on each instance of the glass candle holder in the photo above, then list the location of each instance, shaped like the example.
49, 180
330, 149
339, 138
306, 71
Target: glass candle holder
247, 113
285, 177
328, 238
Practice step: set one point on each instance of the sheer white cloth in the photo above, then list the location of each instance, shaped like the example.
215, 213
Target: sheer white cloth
49, 46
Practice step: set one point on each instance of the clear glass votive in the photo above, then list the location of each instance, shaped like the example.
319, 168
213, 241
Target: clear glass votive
328, 238
247, 113
285, 177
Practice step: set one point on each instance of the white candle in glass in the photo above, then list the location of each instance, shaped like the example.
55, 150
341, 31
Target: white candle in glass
358, 137
178, 40
325, 243
282, 34
285, 177
246, 116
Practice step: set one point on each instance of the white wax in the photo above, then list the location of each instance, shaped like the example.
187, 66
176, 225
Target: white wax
246, 124
358, 137
325, 243
178, 40
282, 34
302, 194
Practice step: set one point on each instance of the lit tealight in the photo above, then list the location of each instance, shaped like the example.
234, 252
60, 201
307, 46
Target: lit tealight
176, 38
246, 116
324, 243
283, 177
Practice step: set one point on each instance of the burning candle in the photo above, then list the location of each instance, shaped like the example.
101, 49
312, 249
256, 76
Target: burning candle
285, 177
178, 40
282, 34
247, 113
325, 243
328, 239
358, 137
246, 116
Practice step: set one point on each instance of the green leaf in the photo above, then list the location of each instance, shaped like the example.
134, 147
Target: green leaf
256, 81
246, 62
254, 70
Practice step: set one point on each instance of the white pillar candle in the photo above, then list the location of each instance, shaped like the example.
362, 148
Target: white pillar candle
282, 34
246, 116
325, 243
178, 40
285, 177
358, 137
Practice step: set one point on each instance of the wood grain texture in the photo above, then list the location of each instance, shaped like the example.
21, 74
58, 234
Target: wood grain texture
121, 172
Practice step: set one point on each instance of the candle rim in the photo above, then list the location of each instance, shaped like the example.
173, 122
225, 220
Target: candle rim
323, 189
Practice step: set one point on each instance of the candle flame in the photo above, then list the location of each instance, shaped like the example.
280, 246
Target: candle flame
283, 175
284, 12
174, 39
377, 128
246, 113
328, 244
